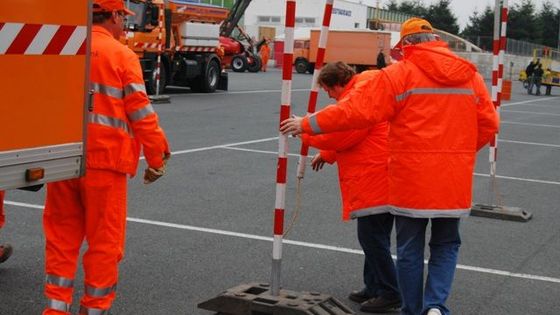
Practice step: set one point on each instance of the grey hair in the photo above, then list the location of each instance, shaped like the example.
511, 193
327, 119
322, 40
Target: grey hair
418, 38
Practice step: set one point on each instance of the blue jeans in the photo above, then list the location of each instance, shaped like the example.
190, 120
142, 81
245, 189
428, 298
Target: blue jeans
374, 234
444, 249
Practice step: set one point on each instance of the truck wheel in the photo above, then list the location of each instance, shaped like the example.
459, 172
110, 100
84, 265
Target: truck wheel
256, 65
301, 65
208, 81
239, 63
311, 67
151, 87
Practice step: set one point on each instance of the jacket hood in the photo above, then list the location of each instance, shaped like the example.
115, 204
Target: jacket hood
439, 63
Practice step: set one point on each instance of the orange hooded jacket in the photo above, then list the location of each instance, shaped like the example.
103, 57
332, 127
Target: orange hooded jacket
122, 119
361, 156
439, 113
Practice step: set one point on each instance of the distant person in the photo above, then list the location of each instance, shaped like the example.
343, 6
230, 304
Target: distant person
5, 249
362, 156
537, 79
547, 78
529, 72
381, 60
265, 54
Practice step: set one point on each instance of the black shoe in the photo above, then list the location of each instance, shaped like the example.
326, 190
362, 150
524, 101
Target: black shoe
380, 305
360, 296
5, 252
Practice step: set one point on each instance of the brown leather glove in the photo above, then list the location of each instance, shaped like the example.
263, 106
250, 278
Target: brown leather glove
151, 174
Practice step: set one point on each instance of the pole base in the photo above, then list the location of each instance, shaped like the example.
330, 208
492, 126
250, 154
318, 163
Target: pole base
159, 99
501, 213
255, 298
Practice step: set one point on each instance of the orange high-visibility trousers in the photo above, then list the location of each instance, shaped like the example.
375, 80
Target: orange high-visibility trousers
2, 216
92, 207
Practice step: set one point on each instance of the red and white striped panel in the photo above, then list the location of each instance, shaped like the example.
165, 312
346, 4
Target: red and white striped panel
195, 49
42, 39
145, 45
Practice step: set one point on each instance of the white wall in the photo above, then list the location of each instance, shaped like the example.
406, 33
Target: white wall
309, 14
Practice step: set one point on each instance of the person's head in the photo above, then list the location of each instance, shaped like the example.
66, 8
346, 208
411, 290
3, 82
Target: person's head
111, 14
334, 77
415, 31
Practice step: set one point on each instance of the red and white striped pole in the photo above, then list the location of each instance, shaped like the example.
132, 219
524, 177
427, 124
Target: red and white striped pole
160, 49
283, 147
311, 105
495, 87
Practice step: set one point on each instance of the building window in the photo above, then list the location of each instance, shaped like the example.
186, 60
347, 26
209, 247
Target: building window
268, 19
305, 21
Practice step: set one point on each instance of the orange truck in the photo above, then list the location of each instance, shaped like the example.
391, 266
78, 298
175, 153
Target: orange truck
354, 47
44, 57
189, 34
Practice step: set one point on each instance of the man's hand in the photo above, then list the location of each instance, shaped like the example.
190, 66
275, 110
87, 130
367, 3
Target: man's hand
317, 162
292, 125
152, 174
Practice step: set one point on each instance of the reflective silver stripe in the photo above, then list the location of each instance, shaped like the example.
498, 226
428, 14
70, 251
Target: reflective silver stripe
369, 211
92, 311
314, 124
134, 87
141, 113
107, 90
430, 213
437, 91
108, 121
58, 305
59, 281
100, 292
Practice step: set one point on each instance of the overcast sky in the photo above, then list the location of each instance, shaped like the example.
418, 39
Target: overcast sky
464, 8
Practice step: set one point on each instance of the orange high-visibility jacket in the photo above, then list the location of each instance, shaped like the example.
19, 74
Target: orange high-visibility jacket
440, 114
361, 156
122, 119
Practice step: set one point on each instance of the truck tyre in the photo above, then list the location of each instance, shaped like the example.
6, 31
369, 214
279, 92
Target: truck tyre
301, 65
311, 67
256, 65
208, 81
239, 63
151, 87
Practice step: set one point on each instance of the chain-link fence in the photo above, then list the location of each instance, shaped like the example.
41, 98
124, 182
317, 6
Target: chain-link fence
514, 47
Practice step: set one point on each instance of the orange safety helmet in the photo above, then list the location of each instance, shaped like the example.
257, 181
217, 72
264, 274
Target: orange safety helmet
414, 26
110, 6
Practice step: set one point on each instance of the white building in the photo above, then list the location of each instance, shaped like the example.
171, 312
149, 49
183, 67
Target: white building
266, 17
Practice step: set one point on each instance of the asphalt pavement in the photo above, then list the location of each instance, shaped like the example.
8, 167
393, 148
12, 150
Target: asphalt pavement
207, 225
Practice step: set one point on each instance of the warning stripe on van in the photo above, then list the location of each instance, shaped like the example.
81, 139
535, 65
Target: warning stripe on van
42, 39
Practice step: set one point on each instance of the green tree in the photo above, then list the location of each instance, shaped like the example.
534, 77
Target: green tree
547, 24
522, 24
441, 17
480, 28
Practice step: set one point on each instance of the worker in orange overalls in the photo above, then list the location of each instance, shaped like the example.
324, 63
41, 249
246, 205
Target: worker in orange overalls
440, 114
265, 54
362, 156
93, 208
5, 249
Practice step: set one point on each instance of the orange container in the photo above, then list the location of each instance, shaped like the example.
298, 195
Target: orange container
506, 90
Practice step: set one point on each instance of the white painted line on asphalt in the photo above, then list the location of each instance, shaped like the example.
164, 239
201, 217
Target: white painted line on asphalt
549, 182
525, 112
245, 92
529, 101
303, 244
476, 174
527, 124
255, 151
221, 146
530, 143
